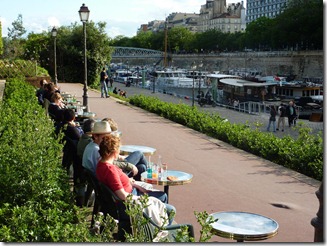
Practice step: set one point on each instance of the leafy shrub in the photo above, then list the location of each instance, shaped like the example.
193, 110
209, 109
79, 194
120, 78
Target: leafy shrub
36, 203
304, 155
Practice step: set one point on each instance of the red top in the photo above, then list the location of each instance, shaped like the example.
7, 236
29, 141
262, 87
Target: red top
113, 177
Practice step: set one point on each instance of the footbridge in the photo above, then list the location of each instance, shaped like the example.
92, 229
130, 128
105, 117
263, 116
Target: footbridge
130, 52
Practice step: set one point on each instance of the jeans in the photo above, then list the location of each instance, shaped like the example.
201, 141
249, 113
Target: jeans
104, 91
138, 159
162, 196
273, 124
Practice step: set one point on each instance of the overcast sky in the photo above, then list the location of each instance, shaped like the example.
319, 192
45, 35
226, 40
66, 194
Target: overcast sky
123, 17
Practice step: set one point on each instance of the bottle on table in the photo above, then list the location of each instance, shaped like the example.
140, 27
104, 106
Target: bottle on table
149, 170
159, 166
154, 171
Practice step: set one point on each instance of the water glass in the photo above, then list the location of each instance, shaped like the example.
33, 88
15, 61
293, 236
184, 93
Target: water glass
164, 171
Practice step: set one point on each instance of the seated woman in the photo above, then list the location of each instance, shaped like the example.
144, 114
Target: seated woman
72, 133
56, 108
136, 158
112, 176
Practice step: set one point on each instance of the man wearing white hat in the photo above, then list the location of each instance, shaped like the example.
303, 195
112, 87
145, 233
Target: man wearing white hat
91, 154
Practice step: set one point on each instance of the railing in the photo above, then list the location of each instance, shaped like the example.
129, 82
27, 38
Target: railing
11, 69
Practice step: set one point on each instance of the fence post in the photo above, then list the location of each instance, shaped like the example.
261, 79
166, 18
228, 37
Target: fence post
318, 222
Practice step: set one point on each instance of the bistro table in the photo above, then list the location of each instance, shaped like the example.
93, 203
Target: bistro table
128, 149
181, 179
82, 116
243, 226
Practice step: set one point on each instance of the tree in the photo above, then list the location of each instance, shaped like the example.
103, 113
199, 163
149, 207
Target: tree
178, 39
14, 46
18, 30
1, 42
70, 48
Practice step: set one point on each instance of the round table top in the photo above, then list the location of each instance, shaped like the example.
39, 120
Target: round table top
244, 226
87, 115
181, 178
127, 149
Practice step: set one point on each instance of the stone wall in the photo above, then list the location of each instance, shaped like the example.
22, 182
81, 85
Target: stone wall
302, 64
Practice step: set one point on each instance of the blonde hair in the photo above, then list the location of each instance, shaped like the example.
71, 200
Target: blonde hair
56, 96
109, 145
112, 123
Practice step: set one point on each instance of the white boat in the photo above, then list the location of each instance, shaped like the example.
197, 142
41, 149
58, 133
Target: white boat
121, 75
175, 82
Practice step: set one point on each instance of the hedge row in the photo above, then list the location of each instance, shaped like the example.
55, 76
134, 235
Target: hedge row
36, 203
304, 154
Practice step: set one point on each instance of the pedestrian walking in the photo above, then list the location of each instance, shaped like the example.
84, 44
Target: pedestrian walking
103, 84
282, 115
272, 118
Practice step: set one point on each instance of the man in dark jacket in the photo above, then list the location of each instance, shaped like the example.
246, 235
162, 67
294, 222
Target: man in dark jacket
291, 114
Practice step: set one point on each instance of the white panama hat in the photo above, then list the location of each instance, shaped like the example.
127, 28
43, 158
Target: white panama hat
101, 127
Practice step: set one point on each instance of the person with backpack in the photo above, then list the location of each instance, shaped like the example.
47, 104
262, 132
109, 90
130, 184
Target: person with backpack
282, 115
103, 83
272, 118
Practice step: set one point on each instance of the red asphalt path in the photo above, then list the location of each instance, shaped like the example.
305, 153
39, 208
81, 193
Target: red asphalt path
224, 178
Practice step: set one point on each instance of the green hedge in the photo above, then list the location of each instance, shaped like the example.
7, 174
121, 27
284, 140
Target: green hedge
36, 203
304, 154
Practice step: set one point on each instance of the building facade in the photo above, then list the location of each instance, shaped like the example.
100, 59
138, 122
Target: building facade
268, 8
215, 14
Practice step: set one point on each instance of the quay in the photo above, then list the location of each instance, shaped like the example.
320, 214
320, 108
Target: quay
224, 178
233, 115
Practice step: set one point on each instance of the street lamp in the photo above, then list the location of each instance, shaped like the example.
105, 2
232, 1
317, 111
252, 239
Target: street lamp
200, 76
193, 94
84, 13
54, 35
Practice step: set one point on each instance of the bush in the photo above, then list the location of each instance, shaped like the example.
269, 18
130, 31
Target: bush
304, 155
36, 203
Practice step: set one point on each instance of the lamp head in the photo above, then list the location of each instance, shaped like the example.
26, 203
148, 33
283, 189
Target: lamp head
54, 32
84, 13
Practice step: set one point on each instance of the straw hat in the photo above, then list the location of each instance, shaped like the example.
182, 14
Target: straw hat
101, 127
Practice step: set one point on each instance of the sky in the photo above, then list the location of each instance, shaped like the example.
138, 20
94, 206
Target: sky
123, 17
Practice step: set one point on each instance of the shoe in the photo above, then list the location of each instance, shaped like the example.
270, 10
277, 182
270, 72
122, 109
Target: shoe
282, 130
107, 96
277, 129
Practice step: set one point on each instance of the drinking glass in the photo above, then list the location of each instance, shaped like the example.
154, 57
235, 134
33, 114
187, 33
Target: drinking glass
164, 171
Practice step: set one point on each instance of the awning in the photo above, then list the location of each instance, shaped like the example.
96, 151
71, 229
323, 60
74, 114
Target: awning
221, 76
243, 83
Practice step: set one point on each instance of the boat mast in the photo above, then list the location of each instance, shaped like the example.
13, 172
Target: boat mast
166, 40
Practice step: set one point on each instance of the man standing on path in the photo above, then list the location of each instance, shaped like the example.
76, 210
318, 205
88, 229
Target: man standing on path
282, 115
291, 114
103, 84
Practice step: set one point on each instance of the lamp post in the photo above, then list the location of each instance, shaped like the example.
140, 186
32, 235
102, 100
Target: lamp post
84, 13
193, 89
54, 35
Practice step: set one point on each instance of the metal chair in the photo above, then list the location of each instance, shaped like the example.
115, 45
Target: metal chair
116, 208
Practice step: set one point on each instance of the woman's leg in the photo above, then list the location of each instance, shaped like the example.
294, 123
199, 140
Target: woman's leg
162, 196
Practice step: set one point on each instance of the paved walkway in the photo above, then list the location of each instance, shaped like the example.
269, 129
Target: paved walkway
224, 178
